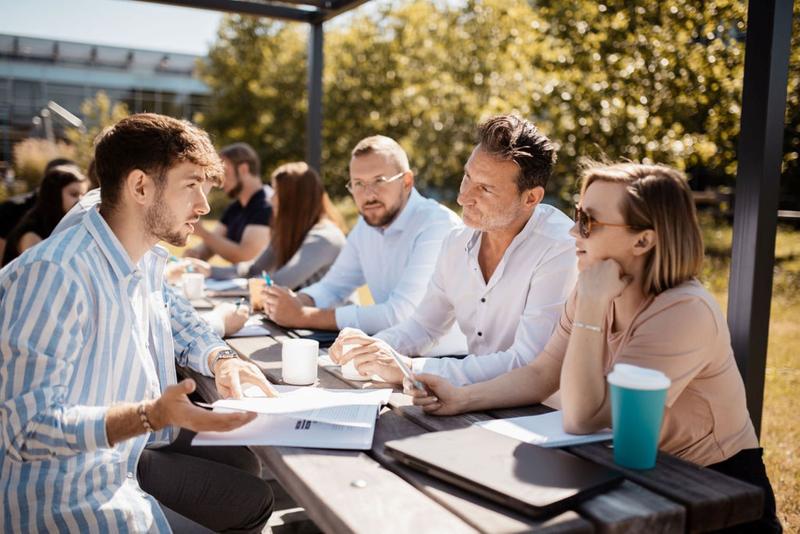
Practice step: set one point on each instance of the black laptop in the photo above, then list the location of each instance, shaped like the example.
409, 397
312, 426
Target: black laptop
533, 480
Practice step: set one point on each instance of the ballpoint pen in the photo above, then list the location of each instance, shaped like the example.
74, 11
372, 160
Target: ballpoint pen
266, 278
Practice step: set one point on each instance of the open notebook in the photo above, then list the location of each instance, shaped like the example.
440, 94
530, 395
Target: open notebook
544, 430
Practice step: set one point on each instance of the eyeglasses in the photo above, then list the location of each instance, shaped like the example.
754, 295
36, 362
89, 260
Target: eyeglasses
357, 187
585, 223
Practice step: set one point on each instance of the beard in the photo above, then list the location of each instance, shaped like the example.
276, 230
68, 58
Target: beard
160, 223
380, 219
234, 192
487, 222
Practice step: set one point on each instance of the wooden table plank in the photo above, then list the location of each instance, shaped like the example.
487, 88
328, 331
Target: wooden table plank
632, 508
337, 503
712, 500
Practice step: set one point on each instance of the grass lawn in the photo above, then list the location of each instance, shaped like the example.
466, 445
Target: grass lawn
780, 431
781, 423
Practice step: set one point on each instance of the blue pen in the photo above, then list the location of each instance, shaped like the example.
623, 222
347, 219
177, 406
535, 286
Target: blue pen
266, 278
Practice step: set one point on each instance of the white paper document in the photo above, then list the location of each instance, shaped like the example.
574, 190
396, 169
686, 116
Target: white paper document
544, 430
304, 417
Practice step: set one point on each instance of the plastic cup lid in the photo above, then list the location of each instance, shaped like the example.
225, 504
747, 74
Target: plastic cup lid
635, 377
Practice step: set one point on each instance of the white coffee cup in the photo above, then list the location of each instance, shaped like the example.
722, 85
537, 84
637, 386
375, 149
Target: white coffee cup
193, 285
299, 361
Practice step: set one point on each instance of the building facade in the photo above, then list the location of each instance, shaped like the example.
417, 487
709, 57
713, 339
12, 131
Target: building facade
35, 72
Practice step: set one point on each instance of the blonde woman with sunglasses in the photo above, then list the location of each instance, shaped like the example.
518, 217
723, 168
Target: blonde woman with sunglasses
637, 301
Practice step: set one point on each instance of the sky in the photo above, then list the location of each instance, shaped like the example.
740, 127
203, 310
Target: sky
127, 23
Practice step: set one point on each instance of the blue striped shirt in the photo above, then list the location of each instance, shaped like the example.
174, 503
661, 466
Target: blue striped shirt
71, 345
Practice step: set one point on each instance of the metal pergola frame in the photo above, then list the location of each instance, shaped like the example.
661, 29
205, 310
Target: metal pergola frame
767, 48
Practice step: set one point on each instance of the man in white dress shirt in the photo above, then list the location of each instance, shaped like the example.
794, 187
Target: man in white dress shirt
393, 249
503, 280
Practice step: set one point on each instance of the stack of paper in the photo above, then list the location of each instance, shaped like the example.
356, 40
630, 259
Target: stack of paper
544, 430
304, 417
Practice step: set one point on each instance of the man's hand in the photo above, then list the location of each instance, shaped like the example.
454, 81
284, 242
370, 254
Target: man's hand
345, 337
173, 407
372, 356
283, 306
231, 373
233, 316
440, 398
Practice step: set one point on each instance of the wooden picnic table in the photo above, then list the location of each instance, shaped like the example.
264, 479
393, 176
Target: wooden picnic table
367, 491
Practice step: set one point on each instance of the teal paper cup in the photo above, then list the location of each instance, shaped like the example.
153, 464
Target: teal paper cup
637, 409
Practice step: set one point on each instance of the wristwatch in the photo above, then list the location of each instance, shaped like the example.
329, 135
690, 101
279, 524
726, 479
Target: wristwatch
224, 354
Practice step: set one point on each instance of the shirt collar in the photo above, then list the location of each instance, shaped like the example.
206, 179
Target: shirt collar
108, 243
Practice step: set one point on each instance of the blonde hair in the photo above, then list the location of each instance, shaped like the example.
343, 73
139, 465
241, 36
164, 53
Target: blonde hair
384, 145
658, 198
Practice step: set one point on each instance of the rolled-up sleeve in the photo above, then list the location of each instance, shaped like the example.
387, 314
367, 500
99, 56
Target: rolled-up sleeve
194, 338
43, 317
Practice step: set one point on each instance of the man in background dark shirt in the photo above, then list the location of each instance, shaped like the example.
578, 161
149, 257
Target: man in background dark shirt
13, 209
243, 231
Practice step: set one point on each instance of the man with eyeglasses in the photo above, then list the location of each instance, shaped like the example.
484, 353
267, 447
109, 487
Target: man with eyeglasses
502, 280
393, 249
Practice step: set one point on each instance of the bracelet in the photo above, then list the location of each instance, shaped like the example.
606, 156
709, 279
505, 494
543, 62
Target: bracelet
143, 417
593, 328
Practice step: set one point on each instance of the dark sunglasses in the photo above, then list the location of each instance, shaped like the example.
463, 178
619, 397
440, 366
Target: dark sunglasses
585, 223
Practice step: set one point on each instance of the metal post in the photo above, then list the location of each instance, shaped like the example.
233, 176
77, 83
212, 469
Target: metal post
314, 120
769, 31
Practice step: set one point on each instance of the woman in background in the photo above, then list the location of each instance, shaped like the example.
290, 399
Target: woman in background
307, 233
61, 188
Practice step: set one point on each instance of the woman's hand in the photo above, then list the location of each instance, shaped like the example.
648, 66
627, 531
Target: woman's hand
602, 282
440, 396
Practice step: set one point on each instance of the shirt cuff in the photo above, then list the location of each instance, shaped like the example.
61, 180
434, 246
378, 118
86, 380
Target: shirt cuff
347, 316
90, 428
205, 350
322, 298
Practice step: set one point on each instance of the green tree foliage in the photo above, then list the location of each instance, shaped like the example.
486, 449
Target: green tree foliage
257, 73
790, 181
644, 80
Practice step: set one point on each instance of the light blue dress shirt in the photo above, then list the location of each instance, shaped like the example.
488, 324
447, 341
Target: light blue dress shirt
71, 345
396, 263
